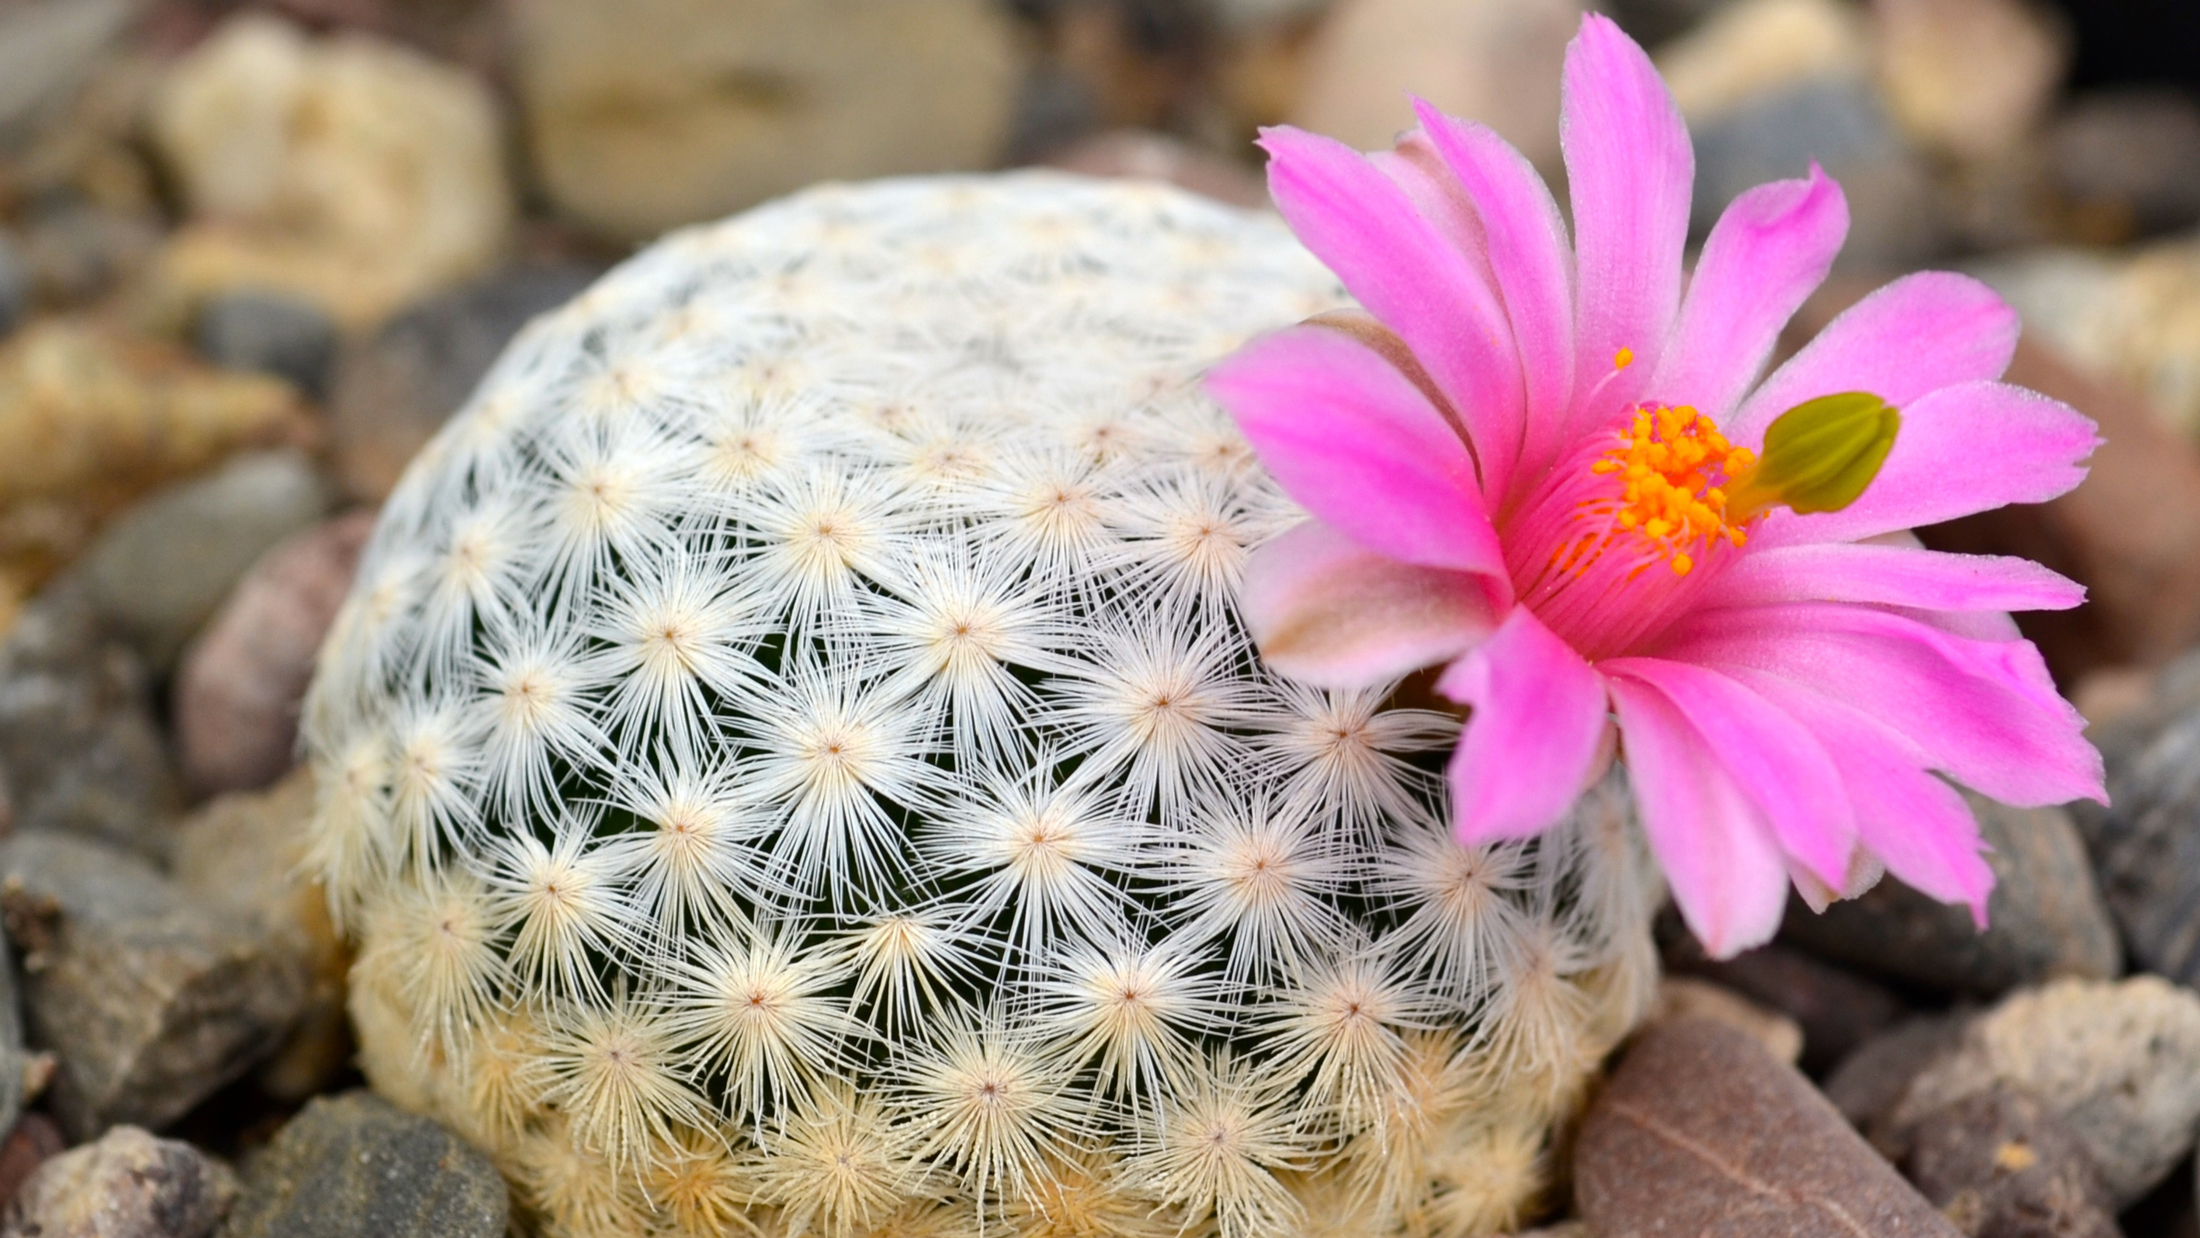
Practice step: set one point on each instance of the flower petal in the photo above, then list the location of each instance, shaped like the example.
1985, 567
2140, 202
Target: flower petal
1984, 711
1539, 720
1355, 443
1528, 256
1967, 448
1629, 168
1324, 611
1911, 337
1400, 266
1768, 755
1715, 846
1915, 823
1889, 576
1771, 248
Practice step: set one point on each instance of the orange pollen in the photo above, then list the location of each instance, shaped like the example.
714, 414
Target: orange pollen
1675, 467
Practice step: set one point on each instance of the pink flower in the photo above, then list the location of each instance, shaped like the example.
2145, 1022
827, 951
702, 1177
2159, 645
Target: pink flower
1540, 467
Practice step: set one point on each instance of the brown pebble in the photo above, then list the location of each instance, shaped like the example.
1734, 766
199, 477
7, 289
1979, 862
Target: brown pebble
2003, 1167
32, 1143
1701, 1132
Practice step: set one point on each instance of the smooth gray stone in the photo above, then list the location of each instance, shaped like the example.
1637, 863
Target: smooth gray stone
354, 1166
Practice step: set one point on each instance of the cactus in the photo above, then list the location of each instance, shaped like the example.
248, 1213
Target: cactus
793, 764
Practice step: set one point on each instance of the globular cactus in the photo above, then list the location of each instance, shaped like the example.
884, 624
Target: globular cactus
794, 765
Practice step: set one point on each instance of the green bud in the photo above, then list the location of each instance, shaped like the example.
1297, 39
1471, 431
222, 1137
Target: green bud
1819, 456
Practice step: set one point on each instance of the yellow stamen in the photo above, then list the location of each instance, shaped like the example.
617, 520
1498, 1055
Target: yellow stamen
1624, 358
1669, 460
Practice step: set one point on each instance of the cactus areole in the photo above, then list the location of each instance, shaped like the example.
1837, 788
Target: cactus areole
794, 763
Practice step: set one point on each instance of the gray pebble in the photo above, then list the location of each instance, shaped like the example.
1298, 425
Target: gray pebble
269, 333
354, 1166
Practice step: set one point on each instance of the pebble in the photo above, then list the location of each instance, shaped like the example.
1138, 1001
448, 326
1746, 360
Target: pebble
127, 1185
1682, 997
642, 117
1701, 1132
159, 572
33, 1141
2126, 162
1873, 1079
2044, 920
1968, 79
1140, 155
1497, 62
2117, 1063
47, 50
15, 284
2146, 843
1836, 1010
1747, 51
269, 333
395, 389
238, 691
351, 171
354, 1166
76, 251
150, 999
90, 420
246, 853
78, 743
2000, 1166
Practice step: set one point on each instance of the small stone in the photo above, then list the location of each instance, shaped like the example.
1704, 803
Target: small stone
149, 998
353, 1166
1752, 50
269, 333
246, 853
1701, 1132
1496, 62
654, 113
2044, 920
34, 1141
1139, 155
78, 743
2146, 843
1969, 79
351, 171
397, 388
76, 251
15, 284
2117, 1064
2000, 1166
47, 50
2126, 162
127, 1185
1680, 997
1836, 1010
1652, 22
1872, 1080
241, 684
160, 571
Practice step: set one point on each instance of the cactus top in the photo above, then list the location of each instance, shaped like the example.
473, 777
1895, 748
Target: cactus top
804, 687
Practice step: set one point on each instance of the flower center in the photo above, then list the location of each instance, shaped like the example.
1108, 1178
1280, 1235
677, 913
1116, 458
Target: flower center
1674, 465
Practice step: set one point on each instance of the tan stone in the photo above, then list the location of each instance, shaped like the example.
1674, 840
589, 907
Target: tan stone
1969, 78
1496, 62
348, 170
1681, 997
648, 114
1760, 47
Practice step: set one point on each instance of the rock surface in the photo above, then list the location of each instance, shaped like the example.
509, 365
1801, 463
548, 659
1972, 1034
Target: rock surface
1495, 62
353, 1166
2000, 1166
397, 388
34, 1141
655, 113
127, 1185
2045, 919
268, 333
1837, 1011
2127, 162
1970, 79
350, 171
1681, 997
1701, 1132
149, 999
78, 742
158, 574
238, 691
1872, 1080
2117, 1064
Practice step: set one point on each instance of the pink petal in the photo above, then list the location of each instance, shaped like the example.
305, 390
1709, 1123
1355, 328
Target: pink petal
1539, 719
1891, 576
1984, 711
1415, 167
1353, 441
1967, 448
1400, 267
1715, 846
1916, 824
1326, 612
1629, 168
1916, 335
1772, 247
1767, 754
1528, 257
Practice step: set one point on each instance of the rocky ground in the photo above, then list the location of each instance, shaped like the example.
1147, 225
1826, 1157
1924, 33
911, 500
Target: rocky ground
251, 255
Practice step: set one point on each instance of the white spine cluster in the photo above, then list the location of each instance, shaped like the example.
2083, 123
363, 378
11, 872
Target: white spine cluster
793, 763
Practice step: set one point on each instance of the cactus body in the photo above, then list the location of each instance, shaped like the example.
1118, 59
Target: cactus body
793, 762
